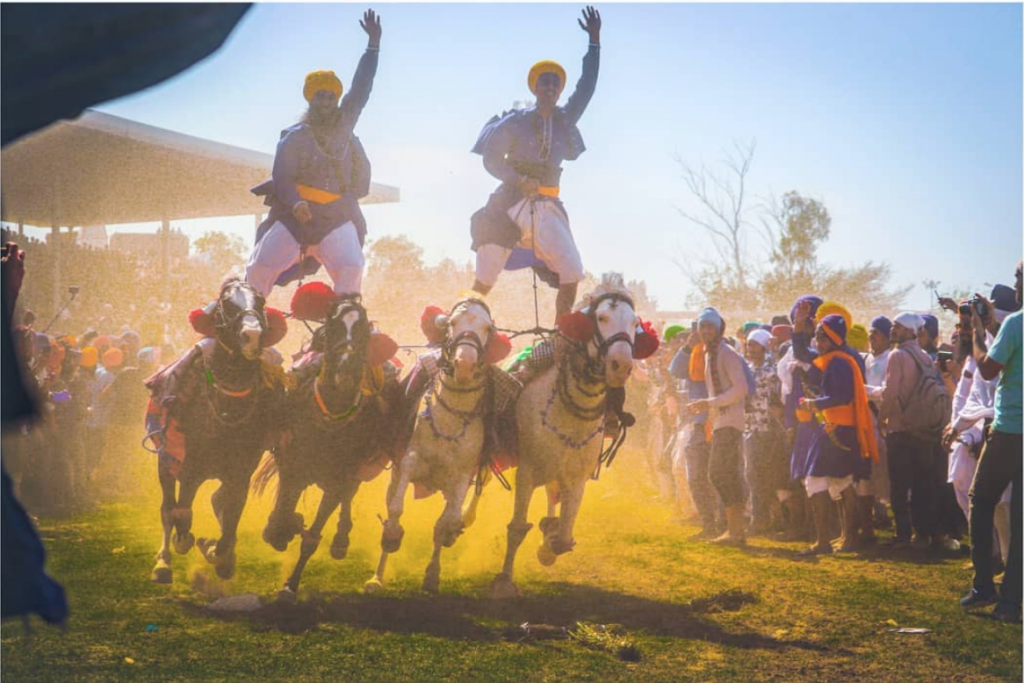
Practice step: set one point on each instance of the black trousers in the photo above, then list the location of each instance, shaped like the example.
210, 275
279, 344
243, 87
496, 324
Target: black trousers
724, 466
999, 465
912, 483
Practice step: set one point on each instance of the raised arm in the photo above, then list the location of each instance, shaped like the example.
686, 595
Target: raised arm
580, 98
362, 82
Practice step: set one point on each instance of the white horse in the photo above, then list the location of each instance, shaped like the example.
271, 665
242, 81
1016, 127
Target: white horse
561, 416
448, 437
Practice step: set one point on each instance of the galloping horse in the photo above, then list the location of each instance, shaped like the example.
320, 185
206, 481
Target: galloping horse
461, 390
342, 419
211, 414
560, 417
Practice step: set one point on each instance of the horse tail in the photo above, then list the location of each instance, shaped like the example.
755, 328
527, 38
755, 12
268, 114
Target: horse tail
265, 473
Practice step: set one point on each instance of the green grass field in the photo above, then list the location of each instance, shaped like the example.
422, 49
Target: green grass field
694, 611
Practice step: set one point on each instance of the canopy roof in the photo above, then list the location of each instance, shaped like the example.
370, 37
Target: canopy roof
101, 169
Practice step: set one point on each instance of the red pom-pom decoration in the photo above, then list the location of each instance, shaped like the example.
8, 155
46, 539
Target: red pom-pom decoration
202, 322
576, 325
646, 341
312, 301
433, 333
380, 348
498, 347
278, 327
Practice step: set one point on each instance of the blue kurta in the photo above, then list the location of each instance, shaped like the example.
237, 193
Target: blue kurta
834, 454
803, 352
513, 146
329, 164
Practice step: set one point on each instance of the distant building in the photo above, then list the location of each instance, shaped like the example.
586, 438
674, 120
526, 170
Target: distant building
149, 246
93, 236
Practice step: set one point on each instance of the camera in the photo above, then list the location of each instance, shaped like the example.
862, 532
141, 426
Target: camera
944, 356
73, 290
978, 305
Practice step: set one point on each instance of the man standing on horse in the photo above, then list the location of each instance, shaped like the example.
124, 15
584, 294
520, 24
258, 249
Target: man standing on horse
524, 149
320, 172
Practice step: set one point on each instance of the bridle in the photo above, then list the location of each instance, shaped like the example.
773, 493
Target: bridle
225, 325
600, 341
468, 338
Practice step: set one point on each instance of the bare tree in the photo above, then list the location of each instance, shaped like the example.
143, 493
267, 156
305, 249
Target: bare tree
722, 196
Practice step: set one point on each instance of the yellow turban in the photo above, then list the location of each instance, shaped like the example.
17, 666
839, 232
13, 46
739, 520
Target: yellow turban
832, 308
857, 338
89, 357
544, 67
321, 80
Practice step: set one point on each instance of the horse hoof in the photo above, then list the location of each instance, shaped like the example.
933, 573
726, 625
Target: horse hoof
502, 588
276, 539
287, 596
548, 526
391, 542
432, 583
225, 566
372, 586
546, 556
339, 548
208, 549
162, 573
182, 544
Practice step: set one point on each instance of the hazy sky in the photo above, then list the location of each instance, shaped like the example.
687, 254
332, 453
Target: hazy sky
905, 120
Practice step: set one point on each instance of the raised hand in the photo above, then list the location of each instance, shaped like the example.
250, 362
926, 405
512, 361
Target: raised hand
591, 23
371, 24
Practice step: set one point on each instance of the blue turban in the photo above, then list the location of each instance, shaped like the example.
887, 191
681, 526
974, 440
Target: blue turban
1004, 298
883, 325
711, 314
813, 300
931, 324
837, 325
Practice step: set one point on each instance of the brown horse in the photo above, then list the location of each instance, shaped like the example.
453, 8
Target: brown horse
341, 419
212, 413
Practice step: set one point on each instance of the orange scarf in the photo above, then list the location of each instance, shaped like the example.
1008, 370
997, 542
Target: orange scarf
697, 363
862, 415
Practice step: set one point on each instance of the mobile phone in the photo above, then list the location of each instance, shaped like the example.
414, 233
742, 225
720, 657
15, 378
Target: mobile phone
944, 356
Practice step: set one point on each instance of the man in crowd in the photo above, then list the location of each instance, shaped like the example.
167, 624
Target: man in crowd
762, 438
1000, 461
911, 455
725, 374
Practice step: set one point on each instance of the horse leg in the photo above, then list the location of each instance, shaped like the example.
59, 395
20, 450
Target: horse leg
391, 537
162, 569
284, 523
503, 586
229, 502
446, 531
310, 542
562, 541
549, 528
339, 546
181, 515
395, 501
469, 514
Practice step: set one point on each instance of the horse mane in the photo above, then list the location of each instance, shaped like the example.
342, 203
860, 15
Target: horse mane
611, 283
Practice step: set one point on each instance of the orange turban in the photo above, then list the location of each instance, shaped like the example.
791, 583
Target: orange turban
89, 357
544, 67
321, 80
112, 358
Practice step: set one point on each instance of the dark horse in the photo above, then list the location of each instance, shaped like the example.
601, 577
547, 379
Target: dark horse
212, 413
342, 419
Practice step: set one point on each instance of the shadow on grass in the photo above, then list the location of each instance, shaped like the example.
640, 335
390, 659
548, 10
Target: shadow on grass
873, 552
467, 618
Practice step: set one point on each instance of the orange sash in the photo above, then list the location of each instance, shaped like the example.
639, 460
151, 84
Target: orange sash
316, 195
854, 414
546, 191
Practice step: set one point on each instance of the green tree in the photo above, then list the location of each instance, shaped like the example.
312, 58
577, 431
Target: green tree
221, 251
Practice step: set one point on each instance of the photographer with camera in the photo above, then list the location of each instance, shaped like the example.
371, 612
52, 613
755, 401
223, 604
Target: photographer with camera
1000, 461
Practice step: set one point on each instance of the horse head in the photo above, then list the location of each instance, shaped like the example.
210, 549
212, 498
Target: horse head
346, 337
240, 318
467, 337
613, 334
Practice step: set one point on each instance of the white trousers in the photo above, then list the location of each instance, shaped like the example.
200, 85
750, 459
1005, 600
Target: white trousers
339, 253
545, 228
834, 485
